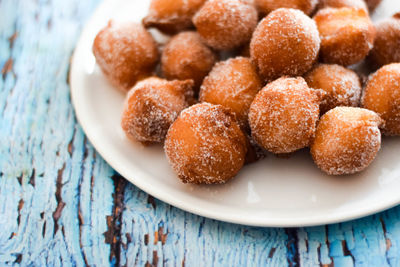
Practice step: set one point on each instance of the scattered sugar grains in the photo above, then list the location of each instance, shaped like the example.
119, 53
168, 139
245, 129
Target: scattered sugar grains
186, 57
284, 114
205, 145
343, 86
343, 3
226, 24
233, 84
387, 42
172, 16
152, 105
347, 34
382, 95
266, 6
126, 53
347, 140
286, 42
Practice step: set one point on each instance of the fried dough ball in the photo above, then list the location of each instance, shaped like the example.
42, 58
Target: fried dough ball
205, 145
284, 114
347, 34
373, 4
126, 53
342, 3
382, 95
347, 140
172, 16
186, 57
152, 105
286, 42
226, 24
343, 86
387, 42
233, 84
267, 6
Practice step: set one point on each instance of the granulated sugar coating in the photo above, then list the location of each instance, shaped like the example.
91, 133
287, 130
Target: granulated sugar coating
172, 16
125, 53
347, 140
343, 86
186, 57
233, 84
342, 3
152, 106
226, 24
266, 6
347, 35
387, 42
286, 42
382, 95
284, 114
205, 145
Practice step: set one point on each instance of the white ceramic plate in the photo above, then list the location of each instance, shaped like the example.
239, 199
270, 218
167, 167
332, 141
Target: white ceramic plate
272, 192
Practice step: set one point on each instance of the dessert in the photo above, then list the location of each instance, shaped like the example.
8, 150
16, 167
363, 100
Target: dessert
347, 140
126, 53
152, 105
286, 42
205, 145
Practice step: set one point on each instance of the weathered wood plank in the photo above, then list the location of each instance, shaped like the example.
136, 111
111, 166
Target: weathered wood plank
55, 192
154, 232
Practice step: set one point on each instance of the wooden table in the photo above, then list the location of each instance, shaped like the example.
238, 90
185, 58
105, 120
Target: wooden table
61, 204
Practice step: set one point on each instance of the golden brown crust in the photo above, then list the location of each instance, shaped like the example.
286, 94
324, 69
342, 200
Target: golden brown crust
126, 53
382, 95
342, 85
233, 84
171, 16
267, 6
152, 105
186, 57
205, 145
342, 3
286, 42
284, 114
226, 24
347, 140
347, 35
387, 42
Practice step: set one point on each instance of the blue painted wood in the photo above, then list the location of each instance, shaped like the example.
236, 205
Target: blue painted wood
62, 205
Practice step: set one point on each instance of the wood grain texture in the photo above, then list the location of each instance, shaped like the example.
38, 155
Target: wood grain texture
62, 205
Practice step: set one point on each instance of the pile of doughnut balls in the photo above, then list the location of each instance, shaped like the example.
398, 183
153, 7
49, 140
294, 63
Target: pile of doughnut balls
240, 78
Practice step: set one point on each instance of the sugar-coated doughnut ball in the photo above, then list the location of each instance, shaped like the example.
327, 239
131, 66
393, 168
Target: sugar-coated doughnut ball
266, 6
373, 4
284, 114
342, 3
172, 16
233, 84
342, 85
387, 42
347, 34
186, 57
382, 95
347, 140
125, 53
286, 42
152, 105
226, 24
205, 145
